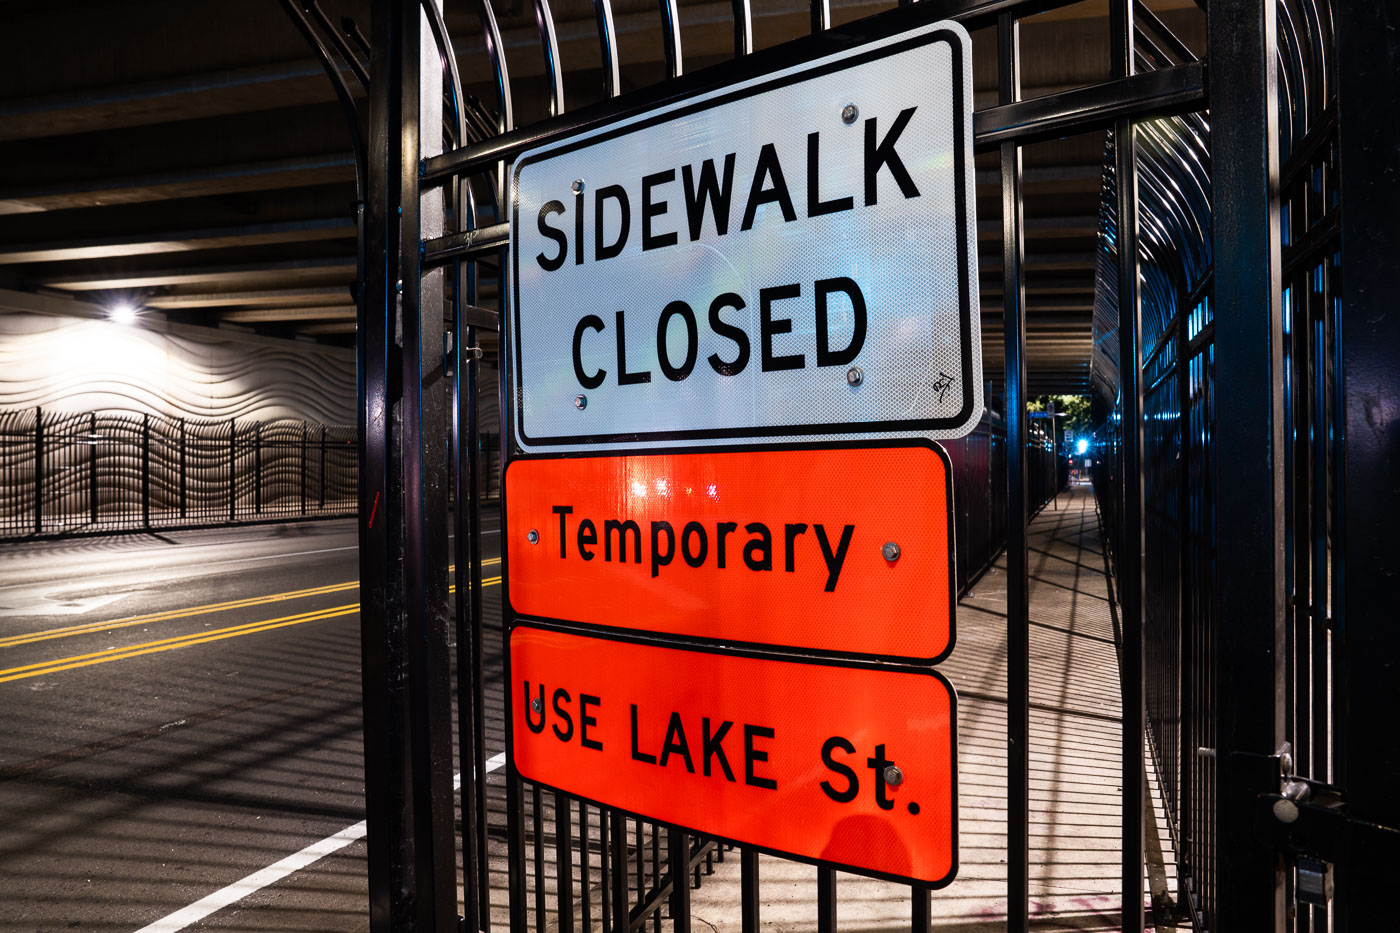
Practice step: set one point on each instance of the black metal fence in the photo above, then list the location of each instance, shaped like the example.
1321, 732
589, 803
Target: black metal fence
1247, 691
421, 254
70, 473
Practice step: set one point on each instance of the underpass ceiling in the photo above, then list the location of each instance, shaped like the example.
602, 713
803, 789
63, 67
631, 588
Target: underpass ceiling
192, 157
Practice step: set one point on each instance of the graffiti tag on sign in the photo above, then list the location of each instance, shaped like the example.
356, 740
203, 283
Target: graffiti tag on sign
844, 763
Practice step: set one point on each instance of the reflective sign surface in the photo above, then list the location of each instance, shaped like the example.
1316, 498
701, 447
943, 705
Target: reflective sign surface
792, 256
842, 763
840, 550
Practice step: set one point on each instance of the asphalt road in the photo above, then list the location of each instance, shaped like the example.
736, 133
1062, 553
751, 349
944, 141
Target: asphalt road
181, 710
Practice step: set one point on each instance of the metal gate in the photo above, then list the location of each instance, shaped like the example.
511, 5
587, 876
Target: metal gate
1250, 591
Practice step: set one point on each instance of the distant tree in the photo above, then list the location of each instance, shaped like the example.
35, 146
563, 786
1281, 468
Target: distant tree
1077, 423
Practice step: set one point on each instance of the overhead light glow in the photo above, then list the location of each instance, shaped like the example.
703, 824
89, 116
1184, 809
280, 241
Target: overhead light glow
123, 312
1082, 446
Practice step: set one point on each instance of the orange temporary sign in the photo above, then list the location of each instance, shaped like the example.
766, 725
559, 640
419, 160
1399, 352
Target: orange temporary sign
840, 762
844, 550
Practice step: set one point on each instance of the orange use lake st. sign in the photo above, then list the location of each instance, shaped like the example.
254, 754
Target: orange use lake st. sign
844, 550
846, 763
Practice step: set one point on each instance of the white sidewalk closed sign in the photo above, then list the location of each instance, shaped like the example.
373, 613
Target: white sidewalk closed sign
789, 257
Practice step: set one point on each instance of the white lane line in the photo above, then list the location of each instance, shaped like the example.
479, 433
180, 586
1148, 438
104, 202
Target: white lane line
324, 550
225, 897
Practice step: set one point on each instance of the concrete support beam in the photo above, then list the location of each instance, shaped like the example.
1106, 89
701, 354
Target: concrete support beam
277, 315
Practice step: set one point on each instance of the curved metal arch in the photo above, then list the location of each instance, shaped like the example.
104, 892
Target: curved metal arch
496, 54
549, 45
671, 37
607, 47
743, 28
342, 91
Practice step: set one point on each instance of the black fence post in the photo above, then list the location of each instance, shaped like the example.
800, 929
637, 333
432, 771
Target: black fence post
232, 469
1132, 540
1365, 639
184, 470
405, 629
146, 470
301, 472
92, 466
1018, 671
257, 468
321, 484
38, 470
1249, 500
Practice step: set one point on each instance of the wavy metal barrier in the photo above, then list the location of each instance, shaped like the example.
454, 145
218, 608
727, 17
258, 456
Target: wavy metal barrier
75, 473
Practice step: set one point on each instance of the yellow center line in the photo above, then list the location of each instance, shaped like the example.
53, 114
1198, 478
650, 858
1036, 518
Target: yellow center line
182, 641
89, 628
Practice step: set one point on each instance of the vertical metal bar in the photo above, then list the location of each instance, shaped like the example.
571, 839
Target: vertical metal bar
92, 467
1322, 426
1241, 38
743, 28
678, 858
478, 695
257, 468
184, 469
585, 868
821, 15
641, 860
671, 37
618, 857
321, 481
389, 842
1187, 654
1017, 587
232, 468
466, 662
38, 470
537, 838
921, 913
826, 900
1132, 540
748, 889
425, 479
563, 864
655, 872
1367, 332
402, 553
301, 468
146, 469
605, 853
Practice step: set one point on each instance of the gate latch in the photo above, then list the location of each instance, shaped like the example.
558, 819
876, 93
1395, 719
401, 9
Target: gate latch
1309, 821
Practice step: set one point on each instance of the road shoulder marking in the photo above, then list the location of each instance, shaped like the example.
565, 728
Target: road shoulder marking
232, 894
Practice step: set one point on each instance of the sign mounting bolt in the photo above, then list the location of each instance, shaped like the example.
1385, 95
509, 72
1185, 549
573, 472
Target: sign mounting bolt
533, 536
577, 186
849, 114
893, 776
537, 705
580, 402
855, 376
891, 552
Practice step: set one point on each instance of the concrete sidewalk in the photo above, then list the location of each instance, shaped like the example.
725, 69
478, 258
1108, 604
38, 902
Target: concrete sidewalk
1075, 788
